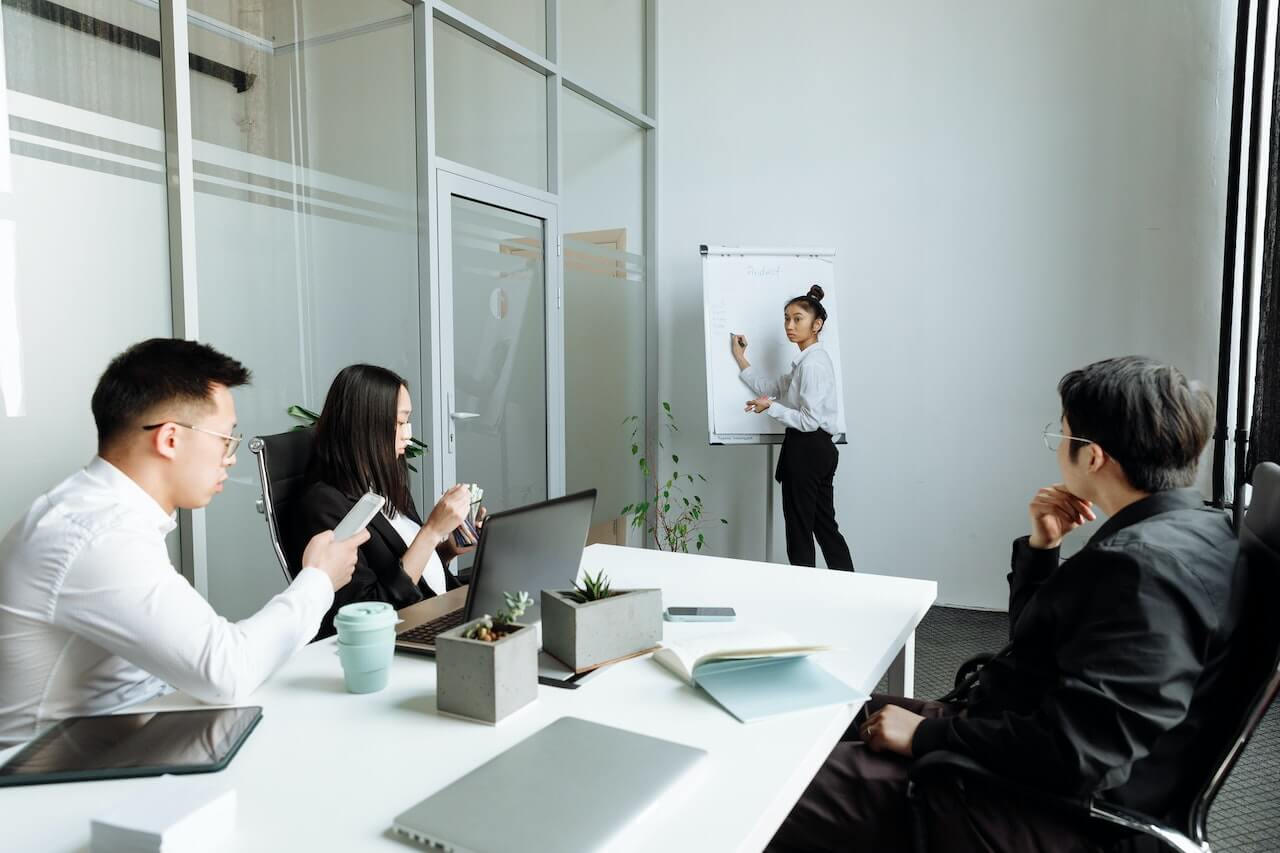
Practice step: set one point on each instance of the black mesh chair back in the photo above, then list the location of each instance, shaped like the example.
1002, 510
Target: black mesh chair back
1254, 678
282, 468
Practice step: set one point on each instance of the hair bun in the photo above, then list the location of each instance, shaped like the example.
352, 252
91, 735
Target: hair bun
815, 292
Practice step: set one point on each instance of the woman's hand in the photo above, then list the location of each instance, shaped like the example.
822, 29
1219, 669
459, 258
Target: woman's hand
448, 513
738, 345
758, 405
449, 548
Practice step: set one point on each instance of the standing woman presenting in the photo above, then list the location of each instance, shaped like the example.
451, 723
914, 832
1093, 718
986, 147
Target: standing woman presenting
805, 402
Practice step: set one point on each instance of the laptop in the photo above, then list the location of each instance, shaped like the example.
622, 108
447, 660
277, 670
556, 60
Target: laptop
572, 785
529, 548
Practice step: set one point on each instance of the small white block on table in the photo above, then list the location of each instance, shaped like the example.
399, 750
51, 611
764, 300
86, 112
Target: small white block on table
175, 814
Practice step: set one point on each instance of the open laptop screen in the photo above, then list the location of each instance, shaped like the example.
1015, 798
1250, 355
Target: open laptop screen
529, 548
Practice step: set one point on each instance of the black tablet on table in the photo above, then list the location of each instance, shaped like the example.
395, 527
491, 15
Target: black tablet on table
115, 746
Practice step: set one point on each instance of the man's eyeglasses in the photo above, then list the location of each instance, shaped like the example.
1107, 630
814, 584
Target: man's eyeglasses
231, 441
1053, 440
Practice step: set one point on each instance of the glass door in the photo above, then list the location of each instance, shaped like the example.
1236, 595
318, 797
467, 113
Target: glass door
501, 352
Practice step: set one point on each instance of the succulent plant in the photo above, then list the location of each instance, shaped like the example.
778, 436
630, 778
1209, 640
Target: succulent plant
592, 589
487, 627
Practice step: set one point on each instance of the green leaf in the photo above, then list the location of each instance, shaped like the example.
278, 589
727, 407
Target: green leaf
702, 478
675, 459
666, 507
699, 545
724, 521
666, 494
635, 448
666, 406
686, 501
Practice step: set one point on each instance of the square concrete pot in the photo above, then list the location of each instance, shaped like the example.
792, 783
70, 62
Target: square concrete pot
586, 635
486, 681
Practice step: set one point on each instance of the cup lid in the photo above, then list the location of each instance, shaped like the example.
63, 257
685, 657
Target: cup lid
365, 614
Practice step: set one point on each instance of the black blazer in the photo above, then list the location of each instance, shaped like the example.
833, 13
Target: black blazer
378, 576
1114, 660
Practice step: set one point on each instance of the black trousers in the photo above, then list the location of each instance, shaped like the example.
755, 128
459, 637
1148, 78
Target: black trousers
807, 470
858, 801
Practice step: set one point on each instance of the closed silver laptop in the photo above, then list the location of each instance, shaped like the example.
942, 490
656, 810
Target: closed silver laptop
570, 786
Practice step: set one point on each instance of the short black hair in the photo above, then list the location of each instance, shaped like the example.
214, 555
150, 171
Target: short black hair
158, 372
1144, 414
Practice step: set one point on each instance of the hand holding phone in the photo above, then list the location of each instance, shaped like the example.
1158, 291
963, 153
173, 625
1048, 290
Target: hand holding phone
699, 614
359, 516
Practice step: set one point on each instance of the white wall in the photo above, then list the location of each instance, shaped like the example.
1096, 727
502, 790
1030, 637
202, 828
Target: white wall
1014, 190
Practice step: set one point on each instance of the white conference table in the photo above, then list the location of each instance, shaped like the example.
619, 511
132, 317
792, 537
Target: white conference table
327, 770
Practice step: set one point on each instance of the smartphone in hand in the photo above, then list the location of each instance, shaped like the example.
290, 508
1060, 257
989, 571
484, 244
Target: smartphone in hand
359, 516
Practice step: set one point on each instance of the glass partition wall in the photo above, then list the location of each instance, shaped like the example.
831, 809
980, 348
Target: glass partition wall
267, 176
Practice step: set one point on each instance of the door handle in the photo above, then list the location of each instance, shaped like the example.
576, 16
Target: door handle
464, 416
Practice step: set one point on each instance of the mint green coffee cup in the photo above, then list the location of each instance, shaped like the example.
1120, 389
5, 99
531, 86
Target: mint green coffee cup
365, 621
366, 644
366, 667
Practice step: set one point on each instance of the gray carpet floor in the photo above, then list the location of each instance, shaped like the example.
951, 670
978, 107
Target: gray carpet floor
1246, 816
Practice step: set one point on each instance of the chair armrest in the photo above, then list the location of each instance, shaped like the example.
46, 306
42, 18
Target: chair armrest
1145, 824
943, 764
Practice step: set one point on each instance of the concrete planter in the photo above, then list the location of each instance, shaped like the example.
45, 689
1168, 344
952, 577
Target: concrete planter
586, 635
486, 681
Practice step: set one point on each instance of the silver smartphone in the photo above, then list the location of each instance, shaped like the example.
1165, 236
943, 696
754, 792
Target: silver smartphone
699, 614
359, 516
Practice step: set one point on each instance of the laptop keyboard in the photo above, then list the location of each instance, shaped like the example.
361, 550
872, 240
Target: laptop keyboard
427, 632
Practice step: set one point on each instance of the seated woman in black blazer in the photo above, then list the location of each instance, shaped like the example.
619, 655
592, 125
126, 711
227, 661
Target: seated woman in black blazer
359, 446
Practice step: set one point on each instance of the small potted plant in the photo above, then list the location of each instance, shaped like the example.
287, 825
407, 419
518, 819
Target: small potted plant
594, 624
488, 668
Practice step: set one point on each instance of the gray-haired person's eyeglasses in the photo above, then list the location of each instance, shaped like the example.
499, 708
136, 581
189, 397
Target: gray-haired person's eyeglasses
231, 441
1053, 440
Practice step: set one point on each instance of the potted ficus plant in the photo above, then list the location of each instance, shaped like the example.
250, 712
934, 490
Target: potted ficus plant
488, 668
593, 624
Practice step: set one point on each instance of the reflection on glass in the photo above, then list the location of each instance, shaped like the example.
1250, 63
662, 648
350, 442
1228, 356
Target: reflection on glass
83, 224
605, 302
170, 739
491, 111
306, 228
602, 47
499, 353
524, 21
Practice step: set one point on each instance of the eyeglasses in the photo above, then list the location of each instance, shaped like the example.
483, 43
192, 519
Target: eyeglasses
231, 441
1053, 440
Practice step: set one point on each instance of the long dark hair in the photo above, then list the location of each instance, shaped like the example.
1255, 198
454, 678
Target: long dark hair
355, 444
811, 301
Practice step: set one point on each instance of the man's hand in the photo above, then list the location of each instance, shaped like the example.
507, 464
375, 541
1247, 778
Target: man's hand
336, 558
758, 405
890, 730
1055, 512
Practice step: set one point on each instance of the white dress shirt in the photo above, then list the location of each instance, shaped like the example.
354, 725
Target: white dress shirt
94, 617
433, 573
805, 398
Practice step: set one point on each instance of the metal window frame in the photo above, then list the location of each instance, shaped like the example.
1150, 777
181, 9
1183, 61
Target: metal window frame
179, 171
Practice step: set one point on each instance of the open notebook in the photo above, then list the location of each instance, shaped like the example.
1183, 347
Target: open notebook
757, 673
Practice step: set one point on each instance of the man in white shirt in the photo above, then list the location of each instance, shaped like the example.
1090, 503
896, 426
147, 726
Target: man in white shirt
93, 616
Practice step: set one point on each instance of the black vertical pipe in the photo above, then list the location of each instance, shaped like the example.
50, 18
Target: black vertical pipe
1244, 381
1243, 8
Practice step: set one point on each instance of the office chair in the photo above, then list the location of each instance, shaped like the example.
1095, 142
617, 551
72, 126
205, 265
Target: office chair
1250, 685
282, 466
